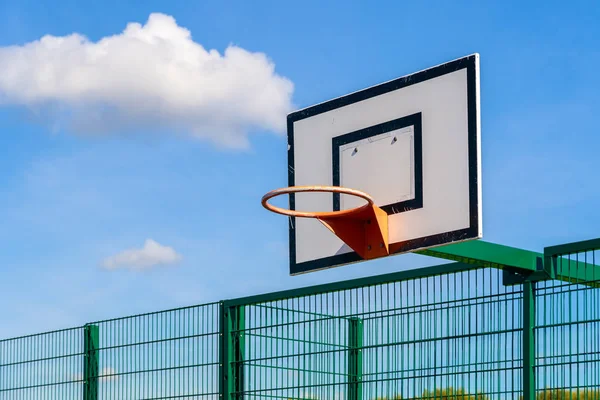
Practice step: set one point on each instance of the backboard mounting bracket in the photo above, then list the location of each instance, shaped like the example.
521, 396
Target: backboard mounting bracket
519, 265
365, 232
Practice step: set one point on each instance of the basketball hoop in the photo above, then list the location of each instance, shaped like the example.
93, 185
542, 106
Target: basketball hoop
319, 214
364, 229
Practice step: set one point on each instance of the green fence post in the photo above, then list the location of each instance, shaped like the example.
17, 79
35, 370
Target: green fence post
232, 351
529, 340
90, 363
223, 352
355, 366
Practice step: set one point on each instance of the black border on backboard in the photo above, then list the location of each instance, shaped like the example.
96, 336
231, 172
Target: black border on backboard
413, 120
469, 63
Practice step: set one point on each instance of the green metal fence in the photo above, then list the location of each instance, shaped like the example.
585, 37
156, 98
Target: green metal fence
567, 324
454, 331
454, 326
163, 355
43, 366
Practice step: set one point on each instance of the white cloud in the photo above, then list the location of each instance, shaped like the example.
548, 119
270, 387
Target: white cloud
150, 255
152, 76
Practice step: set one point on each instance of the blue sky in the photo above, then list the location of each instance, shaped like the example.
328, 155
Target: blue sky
70, 198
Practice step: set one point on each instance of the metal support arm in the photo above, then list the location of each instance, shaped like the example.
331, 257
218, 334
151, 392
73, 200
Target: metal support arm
518, 264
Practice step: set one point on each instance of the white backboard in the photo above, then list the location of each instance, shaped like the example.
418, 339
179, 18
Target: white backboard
413, 144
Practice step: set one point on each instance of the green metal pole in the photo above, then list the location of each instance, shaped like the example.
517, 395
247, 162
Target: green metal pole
223, 352
355, 366
529, 340
232, 351
238, 323
90, 366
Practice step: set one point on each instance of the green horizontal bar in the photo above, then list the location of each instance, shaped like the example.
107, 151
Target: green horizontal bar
153, 370
574, 355
353, 283
41, 385
379, 379
291, 310
276, 367
577, 270
544, 266
486, 254
570, 248
570, 323
4, 341
153, 313
43, 359
287, 339
147, 342
440, 369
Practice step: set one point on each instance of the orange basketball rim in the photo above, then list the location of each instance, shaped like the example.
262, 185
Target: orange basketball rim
364, 229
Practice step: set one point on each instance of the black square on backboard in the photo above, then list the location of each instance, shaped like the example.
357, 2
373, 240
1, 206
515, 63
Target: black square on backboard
413, 120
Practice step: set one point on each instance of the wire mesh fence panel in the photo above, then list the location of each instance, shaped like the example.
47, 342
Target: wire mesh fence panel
47, 366
444, 336
163, 355
294, 349
452, 335
568, 329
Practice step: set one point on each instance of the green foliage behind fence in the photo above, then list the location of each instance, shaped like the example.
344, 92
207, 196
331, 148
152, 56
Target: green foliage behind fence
451, 332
